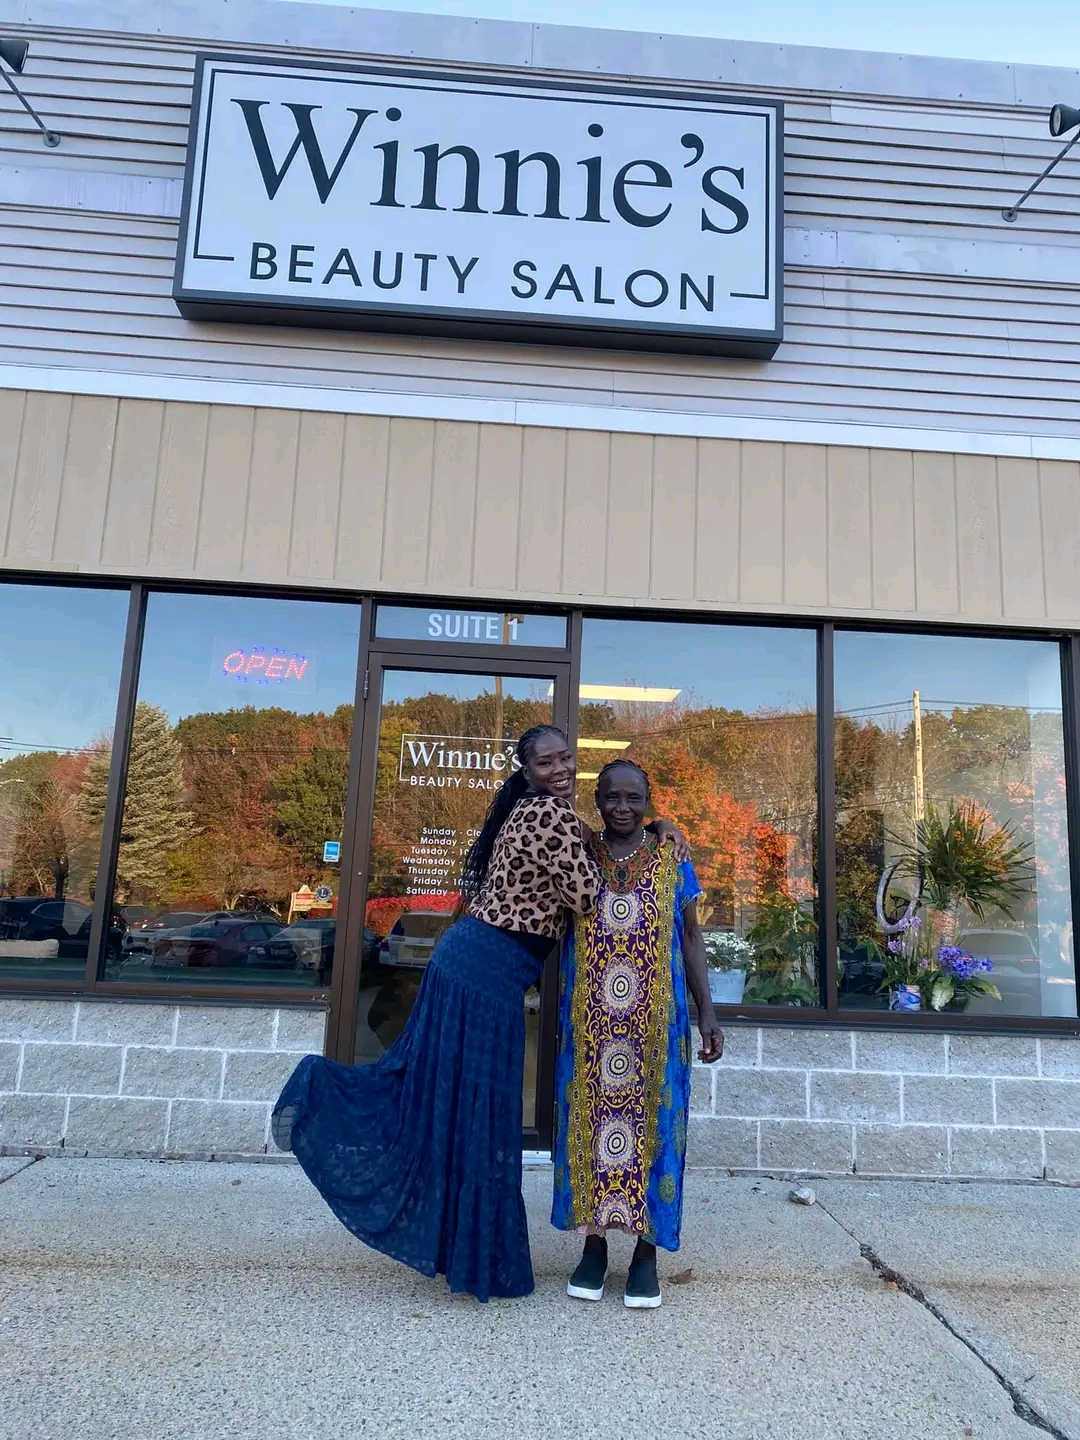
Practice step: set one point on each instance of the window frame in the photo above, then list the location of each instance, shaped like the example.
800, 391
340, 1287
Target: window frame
827, 1015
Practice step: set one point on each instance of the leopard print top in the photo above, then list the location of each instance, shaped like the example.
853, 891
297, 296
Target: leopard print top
539, 869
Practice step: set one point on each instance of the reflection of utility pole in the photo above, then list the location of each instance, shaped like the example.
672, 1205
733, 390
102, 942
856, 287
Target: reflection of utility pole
920, 804
509, 632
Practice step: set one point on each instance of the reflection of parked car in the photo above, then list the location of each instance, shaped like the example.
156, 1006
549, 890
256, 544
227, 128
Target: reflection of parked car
412, 937
1017, 973
140, 939
134, 914
307, 944
33, 918
219, 942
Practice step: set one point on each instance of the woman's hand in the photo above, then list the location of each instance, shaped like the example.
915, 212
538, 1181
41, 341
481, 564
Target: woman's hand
712, 1038
665, 831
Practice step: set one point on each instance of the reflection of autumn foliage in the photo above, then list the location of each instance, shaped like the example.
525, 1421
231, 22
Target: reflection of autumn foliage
741, 787
735, 852
380, 915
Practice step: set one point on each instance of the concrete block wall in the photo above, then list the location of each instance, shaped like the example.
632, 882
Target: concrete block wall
889, 1103
94, 1077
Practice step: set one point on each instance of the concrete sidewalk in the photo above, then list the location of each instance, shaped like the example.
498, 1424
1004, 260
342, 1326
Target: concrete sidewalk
204, 1301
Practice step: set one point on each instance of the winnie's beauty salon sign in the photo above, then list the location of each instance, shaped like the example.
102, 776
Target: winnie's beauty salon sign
397, 199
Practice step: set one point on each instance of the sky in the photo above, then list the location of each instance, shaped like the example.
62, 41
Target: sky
1043, 32
60, 652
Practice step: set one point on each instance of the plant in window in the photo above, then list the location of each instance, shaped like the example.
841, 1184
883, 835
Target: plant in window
785, 944
923, 975
959, 858
726, 950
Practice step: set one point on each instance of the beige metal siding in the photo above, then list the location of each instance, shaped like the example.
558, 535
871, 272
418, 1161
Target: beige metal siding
231, 493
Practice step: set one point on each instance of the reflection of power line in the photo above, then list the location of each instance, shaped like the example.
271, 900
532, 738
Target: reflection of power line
893, 707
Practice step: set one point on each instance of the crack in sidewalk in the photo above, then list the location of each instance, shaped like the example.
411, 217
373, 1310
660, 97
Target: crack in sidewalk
1021, 1407
30, 1160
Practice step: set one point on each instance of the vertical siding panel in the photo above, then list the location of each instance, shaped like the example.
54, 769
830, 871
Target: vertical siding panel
453, 506
363, 499
630, 535
1059, 485
223, 513
977, 534
892, 525
850, 561
408, 502
937, 587
806, 526
12, 405
174, 532
543, 485
126, 542
38, 473
84, 487
674, 517
716, 566
317, 497
588, 455
272, 492
1022, 589
761, 532
498, 490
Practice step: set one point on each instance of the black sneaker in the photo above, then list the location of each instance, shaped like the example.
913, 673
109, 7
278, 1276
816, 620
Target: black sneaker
587, 1281
642, 1286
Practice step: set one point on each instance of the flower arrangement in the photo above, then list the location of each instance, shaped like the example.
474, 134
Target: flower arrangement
942, 974
727, 950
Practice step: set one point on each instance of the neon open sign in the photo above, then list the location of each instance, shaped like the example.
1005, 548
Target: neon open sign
264, 665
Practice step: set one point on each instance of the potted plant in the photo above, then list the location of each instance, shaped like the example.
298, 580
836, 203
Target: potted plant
785, 945
923, 975
728, 956
955, 861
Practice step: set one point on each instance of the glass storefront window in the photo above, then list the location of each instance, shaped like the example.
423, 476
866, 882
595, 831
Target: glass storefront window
61, 650
950, 783
229, 860
723, 718
453, 626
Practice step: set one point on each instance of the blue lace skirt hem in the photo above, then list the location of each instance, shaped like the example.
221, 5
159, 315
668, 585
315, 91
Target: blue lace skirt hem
419, 1155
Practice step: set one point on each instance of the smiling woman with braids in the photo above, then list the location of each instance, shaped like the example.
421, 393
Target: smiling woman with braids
622, 1078
420, 1154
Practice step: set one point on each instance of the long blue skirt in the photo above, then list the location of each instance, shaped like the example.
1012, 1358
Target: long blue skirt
419, 1155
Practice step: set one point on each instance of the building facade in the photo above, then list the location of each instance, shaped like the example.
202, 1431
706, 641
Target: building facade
284, 578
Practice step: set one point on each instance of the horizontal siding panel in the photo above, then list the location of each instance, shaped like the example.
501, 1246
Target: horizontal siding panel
94, 290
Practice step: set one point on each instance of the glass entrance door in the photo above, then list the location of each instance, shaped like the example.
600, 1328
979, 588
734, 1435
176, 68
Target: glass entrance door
439, 744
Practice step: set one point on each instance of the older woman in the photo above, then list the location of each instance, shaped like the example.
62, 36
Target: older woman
622, 1081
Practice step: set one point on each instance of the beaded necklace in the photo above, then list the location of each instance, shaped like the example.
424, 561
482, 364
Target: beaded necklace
624, 873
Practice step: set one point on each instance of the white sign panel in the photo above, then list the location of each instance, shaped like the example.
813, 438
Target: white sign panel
403, 200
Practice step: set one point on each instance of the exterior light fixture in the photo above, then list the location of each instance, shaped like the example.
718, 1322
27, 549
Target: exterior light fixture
1063, 118
13, 55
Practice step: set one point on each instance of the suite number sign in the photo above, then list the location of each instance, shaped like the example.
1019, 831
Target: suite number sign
397, 199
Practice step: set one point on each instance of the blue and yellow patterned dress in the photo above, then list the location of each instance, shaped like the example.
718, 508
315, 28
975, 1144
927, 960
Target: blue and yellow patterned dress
622, 1078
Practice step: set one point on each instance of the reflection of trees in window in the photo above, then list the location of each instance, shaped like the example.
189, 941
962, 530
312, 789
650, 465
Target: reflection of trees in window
156, 822
742, 786
49, 840
1005, 761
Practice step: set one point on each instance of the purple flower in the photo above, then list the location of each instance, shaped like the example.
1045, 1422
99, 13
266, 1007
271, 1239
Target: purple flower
894, 947
984, 965
957, 963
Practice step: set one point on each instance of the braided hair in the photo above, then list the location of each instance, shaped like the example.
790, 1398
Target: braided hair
630, 765
478, 858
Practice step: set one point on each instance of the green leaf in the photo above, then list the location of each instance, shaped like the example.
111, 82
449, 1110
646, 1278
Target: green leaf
941, 992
